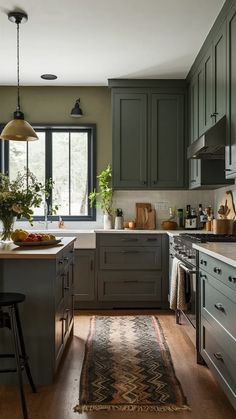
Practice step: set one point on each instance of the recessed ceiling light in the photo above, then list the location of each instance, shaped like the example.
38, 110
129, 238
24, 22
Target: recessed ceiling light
48, 77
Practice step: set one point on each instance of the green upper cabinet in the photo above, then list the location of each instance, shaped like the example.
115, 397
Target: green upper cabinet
167, 141
208, 87
231, 99
219, 74
130, 124
148, 138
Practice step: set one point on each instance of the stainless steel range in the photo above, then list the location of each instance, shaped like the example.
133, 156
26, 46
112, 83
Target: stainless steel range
183, 250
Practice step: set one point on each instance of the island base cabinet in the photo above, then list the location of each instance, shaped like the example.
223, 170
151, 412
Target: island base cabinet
46, 314
218, 349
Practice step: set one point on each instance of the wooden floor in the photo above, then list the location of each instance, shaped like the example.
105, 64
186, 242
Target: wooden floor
56, 401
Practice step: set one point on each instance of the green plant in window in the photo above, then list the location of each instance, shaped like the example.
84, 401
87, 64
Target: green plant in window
104, 197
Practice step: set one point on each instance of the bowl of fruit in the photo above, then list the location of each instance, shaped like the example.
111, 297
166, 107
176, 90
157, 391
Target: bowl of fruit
24, 238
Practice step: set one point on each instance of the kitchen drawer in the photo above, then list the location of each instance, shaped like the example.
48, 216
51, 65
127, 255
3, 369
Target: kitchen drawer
218, 349
129, 286
129, 239
220, 270
218, 301
130, 257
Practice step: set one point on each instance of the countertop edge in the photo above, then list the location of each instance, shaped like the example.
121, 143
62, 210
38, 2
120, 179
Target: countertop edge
206, 248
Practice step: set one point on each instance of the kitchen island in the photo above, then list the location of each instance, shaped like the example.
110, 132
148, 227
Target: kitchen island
217, 303
45, 275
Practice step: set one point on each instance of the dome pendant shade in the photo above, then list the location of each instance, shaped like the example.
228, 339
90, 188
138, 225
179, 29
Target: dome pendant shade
18, 130
76, 112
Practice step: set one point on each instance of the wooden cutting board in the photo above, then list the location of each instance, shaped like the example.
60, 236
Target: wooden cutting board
228, 200
145, 216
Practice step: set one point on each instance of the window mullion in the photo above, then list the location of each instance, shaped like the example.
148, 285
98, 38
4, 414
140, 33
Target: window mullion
69, 173
48, 160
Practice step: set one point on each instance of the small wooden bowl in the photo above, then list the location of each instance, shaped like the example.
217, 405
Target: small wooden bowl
169, 225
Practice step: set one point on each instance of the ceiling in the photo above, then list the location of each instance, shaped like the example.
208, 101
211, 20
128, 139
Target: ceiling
85, 42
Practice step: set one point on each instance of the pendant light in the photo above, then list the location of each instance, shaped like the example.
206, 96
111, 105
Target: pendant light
18, 129
76, 111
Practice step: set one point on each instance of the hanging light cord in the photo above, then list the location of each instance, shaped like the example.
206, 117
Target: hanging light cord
18, 67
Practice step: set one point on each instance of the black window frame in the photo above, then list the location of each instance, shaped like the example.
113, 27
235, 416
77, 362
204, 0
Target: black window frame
48, 129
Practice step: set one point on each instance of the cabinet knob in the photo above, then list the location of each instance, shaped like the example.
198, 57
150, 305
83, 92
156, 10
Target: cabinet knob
60, 261
217, 270
219, 307
218, 356
232, 279
145, 182
66, 259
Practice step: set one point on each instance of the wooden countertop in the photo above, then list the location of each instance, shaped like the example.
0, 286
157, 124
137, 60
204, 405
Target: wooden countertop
11, 251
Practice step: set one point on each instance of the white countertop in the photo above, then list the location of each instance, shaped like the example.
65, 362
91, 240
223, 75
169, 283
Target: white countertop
226, 252
86, 239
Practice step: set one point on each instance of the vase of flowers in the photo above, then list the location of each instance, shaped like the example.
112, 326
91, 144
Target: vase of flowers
103, 198
18, 197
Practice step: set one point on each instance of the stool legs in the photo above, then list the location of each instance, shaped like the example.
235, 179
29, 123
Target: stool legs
17, 356
23, 351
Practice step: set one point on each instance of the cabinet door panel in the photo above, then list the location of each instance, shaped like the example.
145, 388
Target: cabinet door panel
130, 140
167, 141
84, 289
130, 286
219, 76
146, 258
231, 111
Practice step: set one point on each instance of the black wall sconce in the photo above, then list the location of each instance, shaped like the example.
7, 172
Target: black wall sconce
76, 111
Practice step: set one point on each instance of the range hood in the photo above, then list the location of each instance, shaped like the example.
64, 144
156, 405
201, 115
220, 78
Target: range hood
211, 145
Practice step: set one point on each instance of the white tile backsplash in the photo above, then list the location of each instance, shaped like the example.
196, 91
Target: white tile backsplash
161, 201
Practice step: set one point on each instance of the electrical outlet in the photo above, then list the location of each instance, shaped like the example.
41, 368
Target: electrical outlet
162, 206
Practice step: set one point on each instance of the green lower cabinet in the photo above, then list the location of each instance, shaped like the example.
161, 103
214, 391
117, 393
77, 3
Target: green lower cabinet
84, 276
132, 270
217, 321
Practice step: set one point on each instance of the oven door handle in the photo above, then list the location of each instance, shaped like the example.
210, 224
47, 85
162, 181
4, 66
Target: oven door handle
188, 271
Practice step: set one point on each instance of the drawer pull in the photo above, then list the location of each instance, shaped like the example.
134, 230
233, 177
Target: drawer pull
150, 239
218, 356
131, 281
219, 307
232, 279
60, 261
66, 259
203, 275
130, 240
130, 251
217, 270
203, 262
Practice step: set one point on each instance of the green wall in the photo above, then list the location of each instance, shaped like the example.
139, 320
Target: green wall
53, 105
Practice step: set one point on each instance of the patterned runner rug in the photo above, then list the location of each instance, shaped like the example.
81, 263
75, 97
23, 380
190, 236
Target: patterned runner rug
128, 367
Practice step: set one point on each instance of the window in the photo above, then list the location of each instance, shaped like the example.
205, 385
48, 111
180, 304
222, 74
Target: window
65, 154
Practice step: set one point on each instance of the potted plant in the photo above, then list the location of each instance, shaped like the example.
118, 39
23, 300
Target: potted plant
18, 197
103, 198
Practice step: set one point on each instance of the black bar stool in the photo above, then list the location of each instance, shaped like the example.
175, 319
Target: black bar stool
11, 319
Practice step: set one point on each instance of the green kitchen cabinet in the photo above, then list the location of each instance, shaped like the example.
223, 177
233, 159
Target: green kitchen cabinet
219, 74
84, 276
167, 141
217, 338
130, 124
148, 138
230, 154
207, 100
